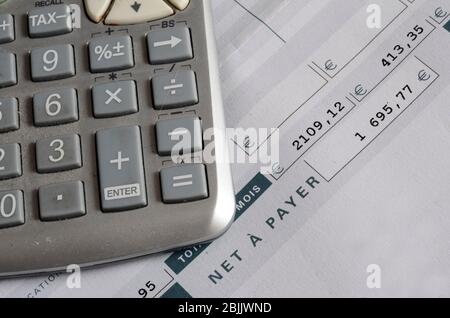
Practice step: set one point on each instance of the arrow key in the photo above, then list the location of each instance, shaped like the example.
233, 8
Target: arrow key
137, 11
170, 46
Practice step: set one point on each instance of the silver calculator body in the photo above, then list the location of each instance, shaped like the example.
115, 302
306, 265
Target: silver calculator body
94, 182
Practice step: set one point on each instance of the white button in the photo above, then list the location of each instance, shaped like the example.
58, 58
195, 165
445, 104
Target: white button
132, 11
96, 9
180, 4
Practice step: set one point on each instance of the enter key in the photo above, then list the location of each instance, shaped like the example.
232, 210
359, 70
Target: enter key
121, 169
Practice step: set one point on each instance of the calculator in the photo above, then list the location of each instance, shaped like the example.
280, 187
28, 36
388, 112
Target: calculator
97, 101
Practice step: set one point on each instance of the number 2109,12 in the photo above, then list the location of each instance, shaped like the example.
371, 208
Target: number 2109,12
318, 126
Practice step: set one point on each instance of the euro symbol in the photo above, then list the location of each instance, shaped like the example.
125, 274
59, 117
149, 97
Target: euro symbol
248, 143
440, 13
277, 169
424, 76
360, 90
330, 66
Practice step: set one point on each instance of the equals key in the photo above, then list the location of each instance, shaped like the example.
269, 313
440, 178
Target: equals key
184, 183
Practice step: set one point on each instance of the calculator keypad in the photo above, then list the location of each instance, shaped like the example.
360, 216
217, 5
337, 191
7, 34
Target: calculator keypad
50, 21
184, 183
180, 4
179, 136
9, 114
174, 90
58, 154
96, 9
55, 107
52, 63
115, 99
10, 163
108, 54
121, 169
119, 150
62, 201
8, 72
7, 33
133, 12
101, 132
170, 46
12, 211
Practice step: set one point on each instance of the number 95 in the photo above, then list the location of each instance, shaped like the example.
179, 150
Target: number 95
149, 287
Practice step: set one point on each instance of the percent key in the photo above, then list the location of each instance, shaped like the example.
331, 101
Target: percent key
108, 54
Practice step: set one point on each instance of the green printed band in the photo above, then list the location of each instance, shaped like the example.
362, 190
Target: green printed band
176, 291
447, 26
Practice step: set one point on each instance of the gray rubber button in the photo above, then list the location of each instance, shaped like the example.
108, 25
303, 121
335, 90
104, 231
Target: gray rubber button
115, 99
62, 201
10, 161
184, 183
8, 71
50, 21
121, 169
169, 45
174, 90
58, 154
179, 136
9, 114
52, 63
6, 28
55, 107
11, 209
109, 54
